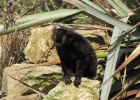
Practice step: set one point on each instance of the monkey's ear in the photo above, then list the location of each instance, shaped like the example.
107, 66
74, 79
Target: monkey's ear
55, 29
62, 30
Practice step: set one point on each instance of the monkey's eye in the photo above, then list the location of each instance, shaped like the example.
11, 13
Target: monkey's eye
64, 38
54, 37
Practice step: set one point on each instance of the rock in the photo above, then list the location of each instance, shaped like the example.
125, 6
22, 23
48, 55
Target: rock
39, 42
27, 97
88, 90
96, 37
43, 78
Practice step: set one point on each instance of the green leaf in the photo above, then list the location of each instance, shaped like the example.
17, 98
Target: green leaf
123, 7
38, 19
120, 11
93, 5
111, 63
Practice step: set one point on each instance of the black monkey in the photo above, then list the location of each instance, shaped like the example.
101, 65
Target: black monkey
76, 54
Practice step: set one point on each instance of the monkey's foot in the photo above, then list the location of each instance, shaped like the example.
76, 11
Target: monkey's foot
77, 82
67, 79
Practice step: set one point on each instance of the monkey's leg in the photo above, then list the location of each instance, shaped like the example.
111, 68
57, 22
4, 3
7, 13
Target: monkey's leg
67, 74
80, 68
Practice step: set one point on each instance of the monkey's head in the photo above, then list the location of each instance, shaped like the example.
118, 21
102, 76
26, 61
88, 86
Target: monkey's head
61, 36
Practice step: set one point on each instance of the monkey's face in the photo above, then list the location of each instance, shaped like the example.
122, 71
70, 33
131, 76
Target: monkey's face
59, 37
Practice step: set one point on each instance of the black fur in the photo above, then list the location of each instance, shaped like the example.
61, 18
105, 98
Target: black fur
76, 54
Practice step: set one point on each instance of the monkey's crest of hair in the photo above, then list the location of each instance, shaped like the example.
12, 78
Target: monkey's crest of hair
62, 36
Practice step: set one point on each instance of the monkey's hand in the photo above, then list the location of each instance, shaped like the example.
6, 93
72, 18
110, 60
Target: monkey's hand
67, 79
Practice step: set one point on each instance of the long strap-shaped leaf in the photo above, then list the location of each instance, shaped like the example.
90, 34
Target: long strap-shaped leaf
124, 34
93, 11
94, 5
111, 63
38, 19
123, 7
120, 11
120, 7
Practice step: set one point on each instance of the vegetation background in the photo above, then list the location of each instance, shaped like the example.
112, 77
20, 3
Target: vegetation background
119, 18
